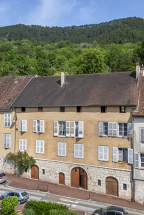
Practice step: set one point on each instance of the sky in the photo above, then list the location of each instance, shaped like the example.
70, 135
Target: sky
67, 12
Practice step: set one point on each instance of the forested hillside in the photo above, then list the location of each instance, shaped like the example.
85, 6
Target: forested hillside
117, 31
25, 57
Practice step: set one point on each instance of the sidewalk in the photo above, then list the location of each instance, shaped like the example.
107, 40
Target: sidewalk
31, 184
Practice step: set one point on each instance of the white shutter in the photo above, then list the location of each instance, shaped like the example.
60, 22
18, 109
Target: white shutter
5, 119
41, 122
20, 125
114, 155
20, 145
34, 125
141, 135
24, 125
8, 140
63, 149
67, 129
81, 129
110, 129
114, 129
37, 146
73, 129
24, 145
41, 146
137, 160
130, 156
76, 150
5, 141
80, 151
55, 128
59, 148
129, 128
100, 128
106, 153
100, 153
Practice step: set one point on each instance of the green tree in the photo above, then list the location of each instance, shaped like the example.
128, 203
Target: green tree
8, 205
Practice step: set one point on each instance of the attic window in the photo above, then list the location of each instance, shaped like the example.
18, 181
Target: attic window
8, 101
103, 109
40, 109
23, 109
62, 109
122, 109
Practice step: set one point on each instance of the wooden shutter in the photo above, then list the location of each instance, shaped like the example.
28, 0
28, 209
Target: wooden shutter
24, 125
8, 140
24, 145
37, 146
76, 150
5, 141
100, 128
55, 128
106, 153
73, 129
130, 156
41, 146
81, 129
67, 129
142, 135
20, 125
34, 125
100, 153
114, 124
137, 160
114, 155
20, 145
41, 126
5, 119
129, 128
63, 149
110, 129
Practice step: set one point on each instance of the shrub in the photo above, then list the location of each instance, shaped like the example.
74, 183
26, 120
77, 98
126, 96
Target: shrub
62, 212
44, 207
8, 205
14, 213
28, 211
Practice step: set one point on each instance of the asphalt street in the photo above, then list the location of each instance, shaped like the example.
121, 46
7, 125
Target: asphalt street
85, 205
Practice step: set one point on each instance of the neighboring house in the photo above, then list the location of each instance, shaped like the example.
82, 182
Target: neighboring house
79, 130
10, 88
138, 142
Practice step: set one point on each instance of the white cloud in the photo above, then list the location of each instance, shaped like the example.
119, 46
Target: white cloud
49, 12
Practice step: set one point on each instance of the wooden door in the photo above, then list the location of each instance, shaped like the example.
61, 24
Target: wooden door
34, 172
111, 186
61, 178
75, 177
83, 178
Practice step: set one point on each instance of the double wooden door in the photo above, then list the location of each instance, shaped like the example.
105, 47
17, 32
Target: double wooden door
79, 178
111, 186
34, 172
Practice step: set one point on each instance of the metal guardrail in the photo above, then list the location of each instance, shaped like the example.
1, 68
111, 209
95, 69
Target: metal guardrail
43, 187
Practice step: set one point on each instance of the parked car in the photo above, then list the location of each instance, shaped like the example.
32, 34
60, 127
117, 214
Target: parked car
20, 194
112, 210
3, 177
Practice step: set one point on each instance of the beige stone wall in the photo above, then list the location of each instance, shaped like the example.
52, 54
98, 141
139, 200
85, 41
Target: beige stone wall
91, 140
139, 191
9, 130
53, 168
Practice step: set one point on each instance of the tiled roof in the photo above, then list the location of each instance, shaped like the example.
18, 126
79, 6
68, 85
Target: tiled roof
10, 87
80, 90
140, 108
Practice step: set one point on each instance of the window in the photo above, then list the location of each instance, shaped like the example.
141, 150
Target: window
7, 119
124, 155
40, 109
78, 150
38, 126
123, 129
62, 128
142, 160
62, 109
122, 109
103, 153
17, 194
23, 125
7, 141
79, 109
22, 145
43, 171
141, 135
107, 129
103, 109
23, 109
40, 146
124, 186
112, 129
61, 149
99, 182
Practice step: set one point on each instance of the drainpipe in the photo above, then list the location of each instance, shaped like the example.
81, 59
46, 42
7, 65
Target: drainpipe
15, 117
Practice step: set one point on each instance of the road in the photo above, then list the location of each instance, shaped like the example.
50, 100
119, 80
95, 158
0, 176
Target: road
85, 205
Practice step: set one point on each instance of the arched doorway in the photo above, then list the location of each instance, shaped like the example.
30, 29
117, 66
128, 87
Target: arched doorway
111, 186
79, 178
61, 178
34, 172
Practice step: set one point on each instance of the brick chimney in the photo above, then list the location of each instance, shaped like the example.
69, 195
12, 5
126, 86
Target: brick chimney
62, 77
137, 70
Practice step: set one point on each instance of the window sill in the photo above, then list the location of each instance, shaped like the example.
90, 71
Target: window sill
123, 162
39, 153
